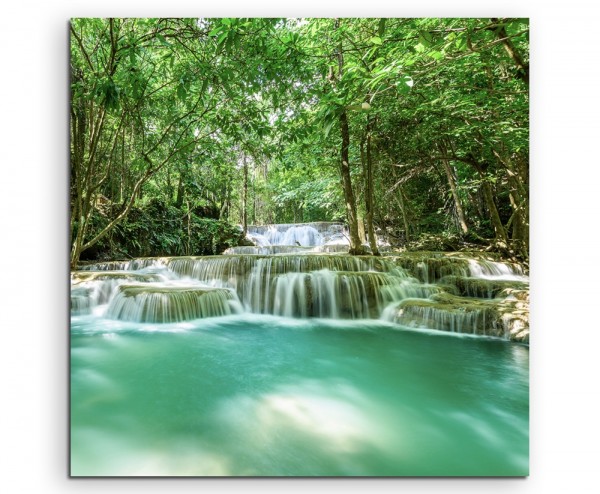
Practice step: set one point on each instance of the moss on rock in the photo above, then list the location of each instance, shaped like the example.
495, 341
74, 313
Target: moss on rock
432, 266
84, 276
481, 287
504, 318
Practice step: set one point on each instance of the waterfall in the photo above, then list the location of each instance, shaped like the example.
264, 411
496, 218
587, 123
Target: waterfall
81, 301
483, 268
294, 249
131, 265
318, 285
269, 250
256, 278
160, 303
296, 235
326, 293
431, 267
93, 288
431, 315
456, 292
300, 238
301, 235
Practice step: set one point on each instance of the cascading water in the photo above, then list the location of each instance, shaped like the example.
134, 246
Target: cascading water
307, 238
318, 285
330, 294
431, 267
287, 360
165, 303
331, 286
457, 317
302, 235
93, 288
269, 250
491, 270
306, 286
131, 265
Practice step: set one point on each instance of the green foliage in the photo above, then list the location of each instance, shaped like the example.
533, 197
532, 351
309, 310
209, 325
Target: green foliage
158, 229
166, 111
444, 242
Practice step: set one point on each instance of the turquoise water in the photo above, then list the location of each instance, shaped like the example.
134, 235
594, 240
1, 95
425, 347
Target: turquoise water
256, 395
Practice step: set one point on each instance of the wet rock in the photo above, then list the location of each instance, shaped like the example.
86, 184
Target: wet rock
506, 318
481, 287
431, 267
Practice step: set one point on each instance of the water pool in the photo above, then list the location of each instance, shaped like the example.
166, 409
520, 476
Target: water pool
258, 395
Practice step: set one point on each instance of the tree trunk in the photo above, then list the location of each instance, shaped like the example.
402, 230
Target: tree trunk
518, 196
224, 213
360, 219
515, 222
515, 56
254, 198
188, 250
245, 198
356, 247
360, 200
76, 251
404, 216
369, 194
452, 182
180, 192
488, 196
494, 216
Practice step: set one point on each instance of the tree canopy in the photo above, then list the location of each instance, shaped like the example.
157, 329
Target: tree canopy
405, 128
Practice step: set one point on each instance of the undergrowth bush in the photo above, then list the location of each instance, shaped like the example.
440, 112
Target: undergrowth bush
159, 229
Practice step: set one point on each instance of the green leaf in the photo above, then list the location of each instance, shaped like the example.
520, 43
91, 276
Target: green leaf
222, 38
426, 38
328, 127
376, 40
215, 31
461, 42
181, 92
405, 84
162, 40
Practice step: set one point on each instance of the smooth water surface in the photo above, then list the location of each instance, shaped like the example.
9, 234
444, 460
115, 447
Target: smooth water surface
253, 395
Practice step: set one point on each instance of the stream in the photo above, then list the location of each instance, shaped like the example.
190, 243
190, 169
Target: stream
298, 360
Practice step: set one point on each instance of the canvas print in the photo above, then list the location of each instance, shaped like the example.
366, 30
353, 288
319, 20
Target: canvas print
299, 247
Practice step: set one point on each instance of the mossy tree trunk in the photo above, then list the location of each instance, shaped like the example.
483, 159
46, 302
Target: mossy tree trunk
356, 247
369, 191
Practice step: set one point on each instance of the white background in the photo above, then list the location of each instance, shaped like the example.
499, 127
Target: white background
565, 109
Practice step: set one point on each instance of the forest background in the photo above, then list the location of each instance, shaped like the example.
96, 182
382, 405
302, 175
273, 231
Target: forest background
415, 130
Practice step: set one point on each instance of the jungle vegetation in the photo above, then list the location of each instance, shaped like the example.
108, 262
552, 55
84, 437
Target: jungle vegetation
416, 129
